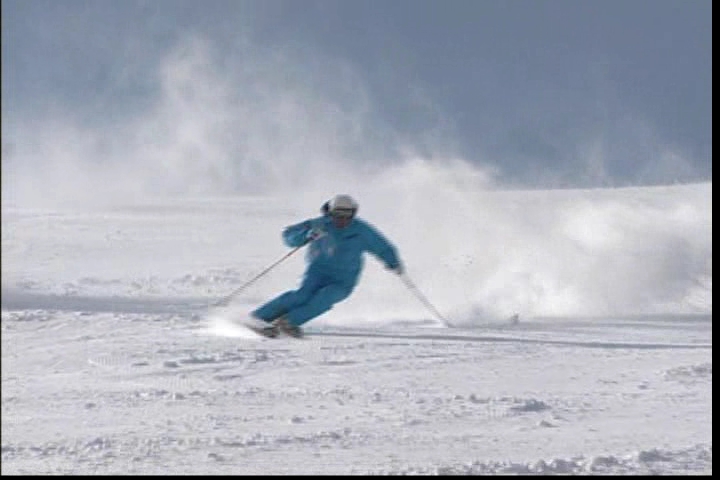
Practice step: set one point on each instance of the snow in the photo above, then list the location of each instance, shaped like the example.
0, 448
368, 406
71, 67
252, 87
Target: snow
119, 357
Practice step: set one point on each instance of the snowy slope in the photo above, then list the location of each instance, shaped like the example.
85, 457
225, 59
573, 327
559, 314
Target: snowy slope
115, 360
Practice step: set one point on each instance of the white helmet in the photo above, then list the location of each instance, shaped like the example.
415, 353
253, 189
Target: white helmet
342, 206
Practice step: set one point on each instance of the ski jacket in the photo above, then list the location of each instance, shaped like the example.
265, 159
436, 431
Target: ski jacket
338, 253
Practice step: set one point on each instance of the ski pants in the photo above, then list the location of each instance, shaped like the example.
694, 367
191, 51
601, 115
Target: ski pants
317, 294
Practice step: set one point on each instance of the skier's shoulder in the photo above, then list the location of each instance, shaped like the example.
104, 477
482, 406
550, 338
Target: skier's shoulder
308, 223
322, 221
361, 225
366, 228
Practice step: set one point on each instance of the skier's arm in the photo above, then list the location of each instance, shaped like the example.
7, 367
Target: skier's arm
379, 246
301, 233
296, 235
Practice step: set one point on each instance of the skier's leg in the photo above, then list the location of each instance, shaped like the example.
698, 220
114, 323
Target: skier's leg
288, 300
319, 303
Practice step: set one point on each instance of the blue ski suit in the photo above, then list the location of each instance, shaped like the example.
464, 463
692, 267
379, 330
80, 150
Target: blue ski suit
335, 261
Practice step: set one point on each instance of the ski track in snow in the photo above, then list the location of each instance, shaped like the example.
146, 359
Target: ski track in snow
179, 391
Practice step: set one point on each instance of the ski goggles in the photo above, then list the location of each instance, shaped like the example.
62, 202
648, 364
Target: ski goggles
342, 213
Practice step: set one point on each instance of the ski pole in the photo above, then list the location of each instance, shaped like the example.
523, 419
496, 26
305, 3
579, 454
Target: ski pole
237, 291
411, 286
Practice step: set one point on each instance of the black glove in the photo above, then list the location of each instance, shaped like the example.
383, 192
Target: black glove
398, 269
314, 233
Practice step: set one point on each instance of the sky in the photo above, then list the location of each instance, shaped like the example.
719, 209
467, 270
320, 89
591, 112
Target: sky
123, 350
231, 97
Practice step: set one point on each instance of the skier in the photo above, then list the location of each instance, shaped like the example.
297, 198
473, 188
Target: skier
337, 241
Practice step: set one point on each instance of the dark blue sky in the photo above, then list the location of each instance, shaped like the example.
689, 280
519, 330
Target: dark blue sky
595, 92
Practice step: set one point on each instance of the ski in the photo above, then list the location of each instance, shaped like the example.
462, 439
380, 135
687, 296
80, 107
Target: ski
265, 331
269, 331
